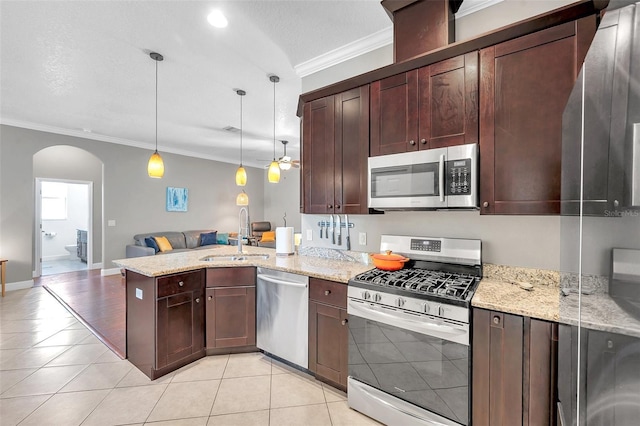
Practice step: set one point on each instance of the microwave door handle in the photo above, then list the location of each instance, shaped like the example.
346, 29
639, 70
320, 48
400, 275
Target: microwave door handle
441, 179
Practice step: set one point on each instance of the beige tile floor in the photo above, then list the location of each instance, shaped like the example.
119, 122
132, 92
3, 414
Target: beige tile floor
53, 371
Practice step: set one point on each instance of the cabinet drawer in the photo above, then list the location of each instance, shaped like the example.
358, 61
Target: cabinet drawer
231, 277
179, 283
329, 292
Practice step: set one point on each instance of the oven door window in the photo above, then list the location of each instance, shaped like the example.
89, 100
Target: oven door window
416, 180
429, 372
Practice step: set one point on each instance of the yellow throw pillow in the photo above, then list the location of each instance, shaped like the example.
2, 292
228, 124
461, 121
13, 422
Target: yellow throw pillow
163, 244
268, 237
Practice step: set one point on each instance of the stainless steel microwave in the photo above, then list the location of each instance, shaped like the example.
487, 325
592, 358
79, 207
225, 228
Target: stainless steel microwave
439, 178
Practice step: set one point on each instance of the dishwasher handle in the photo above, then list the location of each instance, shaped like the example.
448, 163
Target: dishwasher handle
278, 281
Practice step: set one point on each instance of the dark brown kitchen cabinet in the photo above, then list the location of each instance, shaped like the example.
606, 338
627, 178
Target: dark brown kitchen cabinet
514, 370
335, 148
231, 310
524, 87
165, 321
606, 74
328, 331
430, 107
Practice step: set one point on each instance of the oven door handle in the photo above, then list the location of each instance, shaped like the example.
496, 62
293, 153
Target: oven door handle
449, 332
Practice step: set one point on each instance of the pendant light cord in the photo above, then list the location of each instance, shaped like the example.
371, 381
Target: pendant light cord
274, 119
240, 131
156, 106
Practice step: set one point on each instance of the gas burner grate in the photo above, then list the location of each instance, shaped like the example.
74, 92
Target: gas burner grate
423, 281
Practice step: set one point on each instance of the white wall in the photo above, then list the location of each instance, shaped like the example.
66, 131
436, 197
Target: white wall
66, 230
282, 197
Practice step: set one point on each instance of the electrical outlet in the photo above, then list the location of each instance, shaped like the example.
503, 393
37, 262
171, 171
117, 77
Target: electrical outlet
362, 238
309, 234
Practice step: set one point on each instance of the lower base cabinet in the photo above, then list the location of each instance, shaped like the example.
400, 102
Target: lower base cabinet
328, 330
231, 310
514, 369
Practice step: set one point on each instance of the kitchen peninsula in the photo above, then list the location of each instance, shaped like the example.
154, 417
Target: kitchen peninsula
172, 318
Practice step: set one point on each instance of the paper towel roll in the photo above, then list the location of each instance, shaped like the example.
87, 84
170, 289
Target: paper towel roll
284, 241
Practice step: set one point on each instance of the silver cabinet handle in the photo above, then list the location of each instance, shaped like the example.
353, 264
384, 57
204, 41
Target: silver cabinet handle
197, 300
327, 292
181, 283
209, 298
485, 204
344, 322
412, 142
423, 141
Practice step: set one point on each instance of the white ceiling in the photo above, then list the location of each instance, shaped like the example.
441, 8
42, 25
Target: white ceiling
82, 68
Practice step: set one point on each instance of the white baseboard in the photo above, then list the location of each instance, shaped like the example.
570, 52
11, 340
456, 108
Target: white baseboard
111, 271
20, 285
96, 266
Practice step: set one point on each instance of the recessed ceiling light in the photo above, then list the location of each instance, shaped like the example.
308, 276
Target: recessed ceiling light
217, 19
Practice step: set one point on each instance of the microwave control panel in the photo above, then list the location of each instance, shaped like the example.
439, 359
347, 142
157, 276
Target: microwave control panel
458, 173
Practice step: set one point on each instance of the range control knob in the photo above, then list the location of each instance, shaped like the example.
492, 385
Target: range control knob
366, 295
399, 302
441, 311
426, 308
377, 297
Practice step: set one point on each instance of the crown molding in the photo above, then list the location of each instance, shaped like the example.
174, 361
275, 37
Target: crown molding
473, 7
359, 47
110, 139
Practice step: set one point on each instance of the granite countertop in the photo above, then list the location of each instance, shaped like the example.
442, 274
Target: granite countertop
502, 290
599, 312
171, 263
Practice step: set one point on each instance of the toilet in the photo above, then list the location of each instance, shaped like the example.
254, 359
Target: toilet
73, 251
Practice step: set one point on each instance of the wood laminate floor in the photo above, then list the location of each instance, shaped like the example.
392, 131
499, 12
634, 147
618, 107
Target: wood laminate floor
98, 302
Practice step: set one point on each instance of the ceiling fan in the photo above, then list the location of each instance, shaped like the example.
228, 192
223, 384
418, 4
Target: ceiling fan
285, 162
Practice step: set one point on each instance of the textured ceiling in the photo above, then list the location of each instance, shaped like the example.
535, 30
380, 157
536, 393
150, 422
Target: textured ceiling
71, 66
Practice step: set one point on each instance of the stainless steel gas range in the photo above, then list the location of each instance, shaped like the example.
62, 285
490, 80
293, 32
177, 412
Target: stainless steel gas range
409, 333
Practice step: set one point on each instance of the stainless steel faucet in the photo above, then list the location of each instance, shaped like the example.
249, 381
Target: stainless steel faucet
246, 227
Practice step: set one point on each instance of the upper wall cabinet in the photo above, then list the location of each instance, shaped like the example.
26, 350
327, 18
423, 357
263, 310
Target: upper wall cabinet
524, 87
606, 75
335, 148
430, 107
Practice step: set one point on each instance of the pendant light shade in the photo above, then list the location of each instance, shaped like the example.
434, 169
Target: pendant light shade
241, 173
273, 175
242, 199
155, 167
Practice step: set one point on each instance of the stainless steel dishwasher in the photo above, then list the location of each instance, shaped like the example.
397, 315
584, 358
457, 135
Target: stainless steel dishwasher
282, 315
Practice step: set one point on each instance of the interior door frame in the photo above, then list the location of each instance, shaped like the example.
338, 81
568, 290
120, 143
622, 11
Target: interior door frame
37, 261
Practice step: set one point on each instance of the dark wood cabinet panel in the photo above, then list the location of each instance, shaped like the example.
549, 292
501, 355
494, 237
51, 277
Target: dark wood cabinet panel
180, 327
449, 102
328, 343
524, 87
318, 146
394, 114
228, 277
606, 88
514, 370
165, 321
328, 338
335, 148
231, 317
431, 107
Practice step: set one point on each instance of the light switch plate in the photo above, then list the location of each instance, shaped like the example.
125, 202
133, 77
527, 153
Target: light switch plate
139, 293
309, 234
111, 222
362, 238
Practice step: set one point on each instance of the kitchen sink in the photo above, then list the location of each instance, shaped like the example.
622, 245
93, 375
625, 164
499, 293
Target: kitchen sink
235, 257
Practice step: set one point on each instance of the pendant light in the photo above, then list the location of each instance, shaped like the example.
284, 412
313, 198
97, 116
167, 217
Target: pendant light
155, 168
242, 199
241, 173
274, 168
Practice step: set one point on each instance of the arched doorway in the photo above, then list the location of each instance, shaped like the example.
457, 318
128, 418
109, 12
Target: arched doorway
68, 184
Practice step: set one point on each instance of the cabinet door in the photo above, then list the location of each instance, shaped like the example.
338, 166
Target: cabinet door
328, 343
524, 87
449, 102
180, 327
606, 74
394, 114
231, 317
497, 369
318, 156
351, 151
